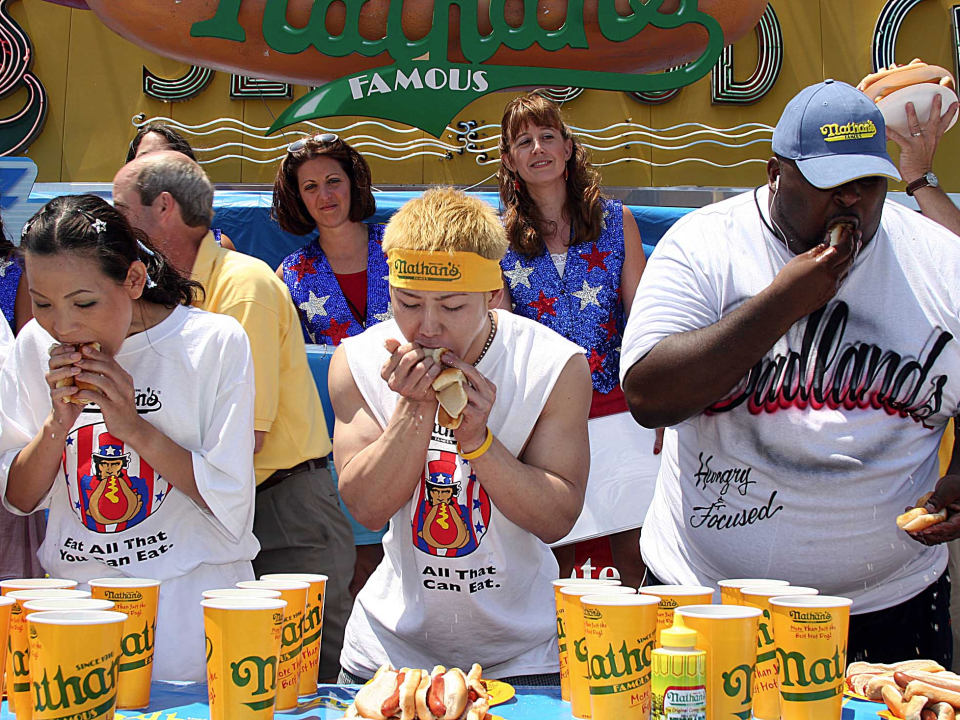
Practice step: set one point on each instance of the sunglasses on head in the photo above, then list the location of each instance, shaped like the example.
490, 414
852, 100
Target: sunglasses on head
323, 139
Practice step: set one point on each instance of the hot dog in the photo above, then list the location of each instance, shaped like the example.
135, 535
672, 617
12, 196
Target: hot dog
450, 392
881, 84
906, 708
865, 668
942, 711
452, 695
391, 694
67, 382
919, 518
933, 693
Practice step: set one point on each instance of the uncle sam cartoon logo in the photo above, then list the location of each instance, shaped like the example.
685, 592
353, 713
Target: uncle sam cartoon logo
111, 488
453, 510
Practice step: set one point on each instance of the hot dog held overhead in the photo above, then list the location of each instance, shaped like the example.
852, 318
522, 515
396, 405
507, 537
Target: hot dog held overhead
917, 82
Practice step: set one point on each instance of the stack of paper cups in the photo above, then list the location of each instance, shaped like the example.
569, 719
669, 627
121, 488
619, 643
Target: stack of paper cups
729, 635
577, 642
19, 691
561, 626
620, 631
75, 660
312, 626
810, 632
294, 593
243, 645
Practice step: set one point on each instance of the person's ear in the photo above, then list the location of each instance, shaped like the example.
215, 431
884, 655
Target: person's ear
494, 298
507, 162
136, 280
773, 174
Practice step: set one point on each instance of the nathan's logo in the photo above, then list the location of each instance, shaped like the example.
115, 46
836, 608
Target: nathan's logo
814, 617
425, 89
146, 401
262, 672
592, 614
427, 270
76, 691
822, 675
123, 595
851, 131
625, 661
669, 604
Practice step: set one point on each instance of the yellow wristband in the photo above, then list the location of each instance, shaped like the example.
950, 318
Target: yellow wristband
479, 451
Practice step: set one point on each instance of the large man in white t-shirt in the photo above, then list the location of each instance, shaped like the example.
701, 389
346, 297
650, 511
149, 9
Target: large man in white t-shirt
807, 385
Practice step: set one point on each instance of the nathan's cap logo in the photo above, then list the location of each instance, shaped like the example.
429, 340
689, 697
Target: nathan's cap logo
426, 270
832, 132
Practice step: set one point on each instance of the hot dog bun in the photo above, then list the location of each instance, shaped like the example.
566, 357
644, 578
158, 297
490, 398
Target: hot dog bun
932, 693
449, 388
390, 694
67, 382
919, 518
838, 231
881, 84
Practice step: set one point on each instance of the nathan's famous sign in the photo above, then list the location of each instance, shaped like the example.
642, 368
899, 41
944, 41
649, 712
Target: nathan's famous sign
422, 61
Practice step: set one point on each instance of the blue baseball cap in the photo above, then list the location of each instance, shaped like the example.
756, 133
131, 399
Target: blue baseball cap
835, 134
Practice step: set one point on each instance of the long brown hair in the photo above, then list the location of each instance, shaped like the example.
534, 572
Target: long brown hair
521, 216
288, 208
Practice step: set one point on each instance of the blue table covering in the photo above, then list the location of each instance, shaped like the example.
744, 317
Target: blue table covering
171, 701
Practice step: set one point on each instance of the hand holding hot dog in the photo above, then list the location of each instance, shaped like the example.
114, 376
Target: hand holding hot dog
944, 504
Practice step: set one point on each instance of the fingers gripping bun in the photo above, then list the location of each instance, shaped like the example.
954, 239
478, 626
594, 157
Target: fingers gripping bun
919, 518
67, 382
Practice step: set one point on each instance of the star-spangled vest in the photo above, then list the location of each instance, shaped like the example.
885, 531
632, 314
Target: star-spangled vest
584, 305
324, 311
10, 272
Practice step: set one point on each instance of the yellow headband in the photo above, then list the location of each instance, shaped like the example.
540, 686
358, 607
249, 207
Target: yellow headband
443, 271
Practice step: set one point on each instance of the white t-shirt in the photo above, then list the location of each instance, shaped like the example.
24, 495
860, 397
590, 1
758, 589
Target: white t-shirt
460, 583
194, 379
6, 340
805, 486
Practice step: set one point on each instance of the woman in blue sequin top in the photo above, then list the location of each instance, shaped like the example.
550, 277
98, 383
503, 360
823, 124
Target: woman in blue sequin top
339, 279
574, 264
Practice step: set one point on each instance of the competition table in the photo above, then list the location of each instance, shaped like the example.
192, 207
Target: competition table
188, 701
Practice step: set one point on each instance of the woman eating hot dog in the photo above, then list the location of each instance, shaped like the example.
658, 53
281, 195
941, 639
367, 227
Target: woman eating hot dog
147, 470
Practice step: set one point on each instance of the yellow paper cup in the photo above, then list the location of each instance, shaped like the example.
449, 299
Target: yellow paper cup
674, 596
294, 593
36, 584
19, 695
730, 589
766, 688
74, 662
561, 631
620, 632
138, 598
243, 647
810, 633
729, 635
312, 626
576, 641
240, 592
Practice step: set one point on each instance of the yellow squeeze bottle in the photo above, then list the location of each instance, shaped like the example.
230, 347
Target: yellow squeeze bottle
679, 675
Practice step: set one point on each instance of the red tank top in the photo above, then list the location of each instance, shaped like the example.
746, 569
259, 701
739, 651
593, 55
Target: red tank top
354, 287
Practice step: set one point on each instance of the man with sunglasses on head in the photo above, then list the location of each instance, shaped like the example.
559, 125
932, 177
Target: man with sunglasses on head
297, 519
799, 341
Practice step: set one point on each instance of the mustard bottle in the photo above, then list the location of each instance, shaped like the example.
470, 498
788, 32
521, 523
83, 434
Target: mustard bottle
679, 675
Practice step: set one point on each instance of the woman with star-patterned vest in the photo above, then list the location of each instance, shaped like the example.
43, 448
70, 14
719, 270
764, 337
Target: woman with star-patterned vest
338, 280
574, 264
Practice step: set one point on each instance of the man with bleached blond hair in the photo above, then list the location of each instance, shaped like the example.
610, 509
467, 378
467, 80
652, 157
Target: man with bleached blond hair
466, 573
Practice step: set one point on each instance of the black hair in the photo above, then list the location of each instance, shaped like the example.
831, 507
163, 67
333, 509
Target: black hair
175, 140
88, 225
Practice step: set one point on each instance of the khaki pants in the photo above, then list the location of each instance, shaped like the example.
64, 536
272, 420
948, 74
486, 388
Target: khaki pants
302, 529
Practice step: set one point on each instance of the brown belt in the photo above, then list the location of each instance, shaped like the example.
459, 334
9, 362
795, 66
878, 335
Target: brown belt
281, 475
